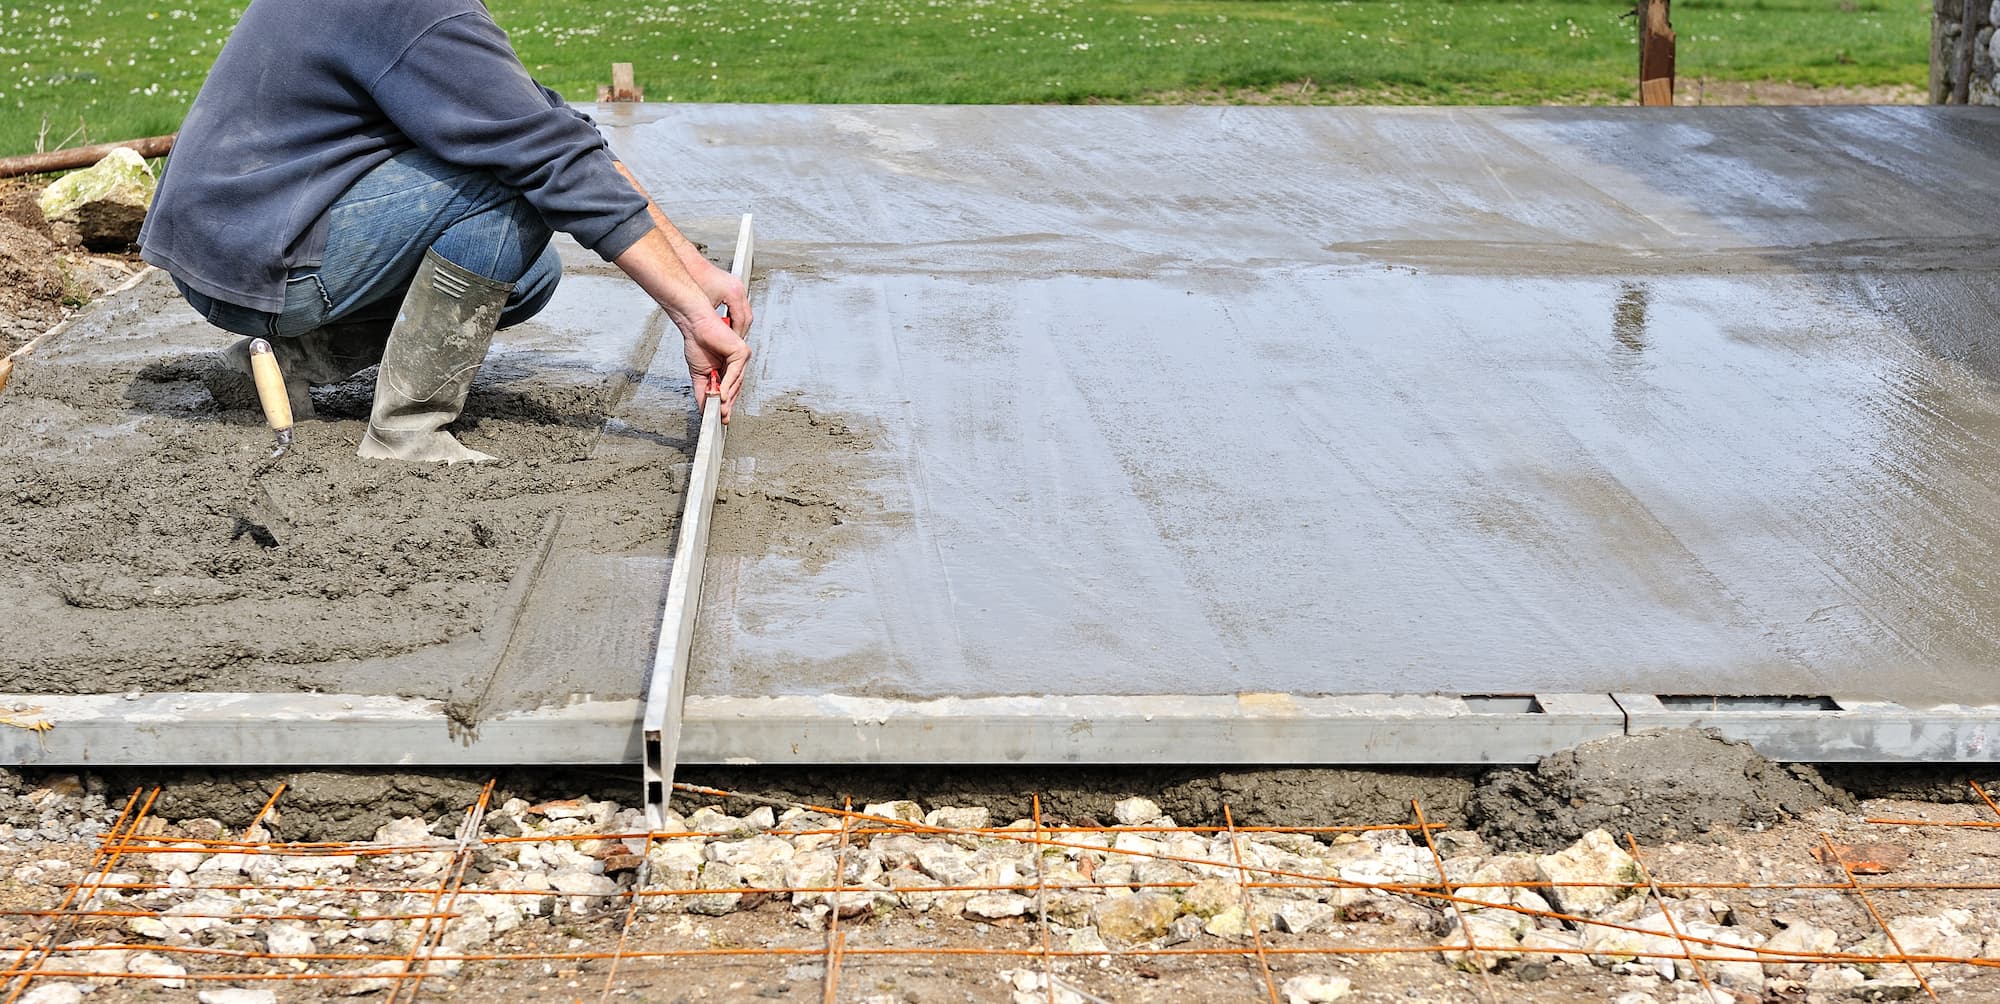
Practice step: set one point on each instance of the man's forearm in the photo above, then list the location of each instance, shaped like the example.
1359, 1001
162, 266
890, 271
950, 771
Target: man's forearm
683, 248
653, 264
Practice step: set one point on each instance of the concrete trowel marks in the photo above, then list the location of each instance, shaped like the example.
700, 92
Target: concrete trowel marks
800, 490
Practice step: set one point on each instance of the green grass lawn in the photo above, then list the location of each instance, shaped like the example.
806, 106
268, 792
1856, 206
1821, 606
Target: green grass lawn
118, 69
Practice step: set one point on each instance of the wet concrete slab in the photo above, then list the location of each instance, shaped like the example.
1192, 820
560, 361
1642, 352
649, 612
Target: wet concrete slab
1329, 401
1232, 407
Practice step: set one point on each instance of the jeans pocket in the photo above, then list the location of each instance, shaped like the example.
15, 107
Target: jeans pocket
307, 305
240, 320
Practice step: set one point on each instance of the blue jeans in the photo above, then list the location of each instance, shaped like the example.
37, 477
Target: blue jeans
377, 233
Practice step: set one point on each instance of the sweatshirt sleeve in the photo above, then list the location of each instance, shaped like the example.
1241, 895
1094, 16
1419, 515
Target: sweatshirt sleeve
558, 101
461, 94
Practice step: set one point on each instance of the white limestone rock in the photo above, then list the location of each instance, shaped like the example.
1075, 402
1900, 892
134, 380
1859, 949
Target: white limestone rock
1495, 943
1943, 934
760, 860
53, 993
949, 865
1743, 970
721, 878
955, 818
1315, 988
709, 819
1305, 917
811, 870
1799, 937
1596, 858
901, 809
1566, 945
675, 863
583, 892
1135, 811
288, 939
236, 995
161, 971
998, 906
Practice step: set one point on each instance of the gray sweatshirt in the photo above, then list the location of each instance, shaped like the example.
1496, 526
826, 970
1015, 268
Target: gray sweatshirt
309, 95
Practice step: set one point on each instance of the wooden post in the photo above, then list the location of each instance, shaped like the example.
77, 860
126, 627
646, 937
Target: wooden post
622, 88
1968, 33
1656, 54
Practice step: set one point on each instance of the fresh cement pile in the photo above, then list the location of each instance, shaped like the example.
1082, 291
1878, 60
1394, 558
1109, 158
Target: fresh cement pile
145, 552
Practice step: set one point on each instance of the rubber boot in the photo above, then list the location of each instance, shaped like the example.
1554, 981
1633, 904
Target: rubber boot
435, 350
322, 356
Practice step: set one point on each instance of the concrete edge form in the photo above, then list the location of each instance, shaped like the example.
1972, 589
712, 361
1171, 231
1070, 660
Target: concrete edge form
667, 686
1828, 729
195, 729
1228, 729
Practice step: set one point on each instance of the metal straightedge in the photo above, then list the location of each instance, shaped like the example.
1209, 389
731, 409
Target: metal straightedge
667, 688
332, 729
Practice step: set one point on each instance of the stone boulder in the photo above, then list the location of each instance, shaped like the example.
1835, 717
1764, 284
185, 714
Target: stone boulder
105, 204
1139, 917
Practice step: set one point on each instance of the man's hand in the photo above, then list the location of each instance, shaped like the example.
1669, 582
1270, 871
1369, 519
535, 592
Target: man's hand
714, 348
723, 290
661, 263
712, 345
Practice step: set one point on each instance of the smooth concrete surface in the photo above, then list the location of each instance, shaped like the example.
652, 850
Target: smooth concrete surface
1329, 401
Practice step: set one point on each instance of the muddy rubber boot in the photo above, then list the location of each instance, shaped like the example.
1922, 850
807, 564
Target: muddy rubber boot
435, 350
325, 355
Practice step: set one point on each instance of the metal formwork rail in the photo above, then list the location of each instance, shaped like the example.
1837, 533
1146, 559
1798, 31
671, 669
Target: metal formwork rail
661, 726
1240, 729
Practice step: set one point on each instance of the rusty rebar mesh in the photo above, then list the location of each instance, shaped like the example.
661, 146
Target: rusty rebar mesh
98, 900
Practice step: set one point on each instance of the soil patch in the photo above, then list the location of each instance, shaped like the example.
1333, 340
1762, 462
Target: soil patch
43, 280
33, 279
349, 804
1671, 785
1687, 91
1703, 91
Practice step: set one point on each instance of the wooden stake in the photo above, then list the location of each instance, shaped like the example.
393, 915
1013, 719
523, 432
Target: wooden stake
1968, 34
622, 88
1656, 54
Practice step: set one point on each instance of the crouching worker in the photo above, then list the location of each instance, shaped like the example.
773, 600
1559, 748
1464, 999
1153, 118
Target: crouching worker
376, 181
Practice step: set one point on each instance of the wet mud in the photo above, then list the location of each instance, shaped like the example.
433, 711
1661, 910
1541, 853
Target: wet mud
1618, 784
33, 279
350, 804
1661, 786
